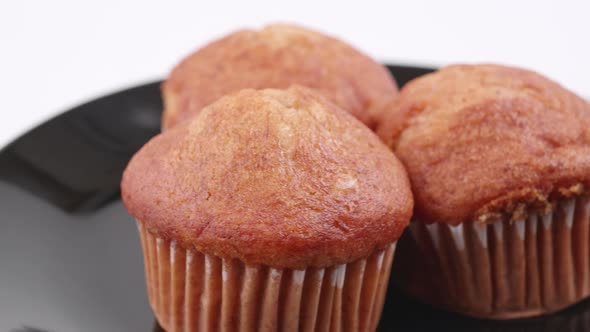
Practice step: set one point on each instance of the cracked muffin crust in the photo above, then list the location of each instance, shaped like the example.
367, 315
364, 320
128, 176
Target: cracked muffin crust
277, 56
283, 178
478, 140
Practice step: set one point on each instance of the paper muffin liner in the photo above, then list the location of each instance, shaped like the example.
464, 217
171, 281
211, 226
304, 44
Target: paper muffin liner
506, 269
191, 291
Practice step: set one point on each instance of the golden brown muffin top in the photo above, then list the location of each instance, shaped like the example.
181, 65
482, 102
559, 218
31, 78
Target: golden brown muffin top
283, 178
480, 140
276, 57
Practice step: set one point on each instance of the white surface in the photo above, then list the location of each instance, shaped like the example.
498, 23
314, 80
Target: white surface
56, 54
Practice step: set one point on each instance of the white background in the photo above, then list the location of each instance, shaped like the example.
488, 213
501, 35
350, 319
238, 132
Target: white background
56, 54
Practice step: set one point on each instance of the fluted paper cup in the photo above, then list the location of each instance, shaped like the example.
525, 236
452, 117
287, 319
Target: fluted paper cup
190, 291
510, 268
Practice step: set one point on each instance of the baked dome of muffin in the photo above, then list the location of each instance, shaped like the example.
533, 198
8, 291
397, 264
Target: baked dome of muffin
478, 140
276, 57
283, 178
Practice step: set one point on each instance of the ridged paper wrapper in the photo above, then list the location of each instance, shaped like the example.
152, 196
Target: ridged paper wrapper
191, 291
509, 268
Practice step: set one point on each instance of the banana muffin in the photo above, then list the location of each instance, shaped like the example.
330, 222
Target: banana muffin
276, 57
499, 161
269, 210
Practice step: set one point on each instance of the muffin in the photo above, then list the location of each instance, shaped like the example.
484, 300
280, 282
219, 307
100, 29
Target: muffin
269, 210
499, 161
276, 57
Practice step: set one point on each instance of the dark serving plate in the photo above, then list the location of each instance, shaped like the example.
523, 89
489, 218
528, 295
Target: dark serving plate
70, 258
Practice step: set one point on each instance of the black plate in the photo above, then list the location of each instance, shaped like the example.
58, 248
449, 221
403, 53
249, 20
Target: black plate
70, 256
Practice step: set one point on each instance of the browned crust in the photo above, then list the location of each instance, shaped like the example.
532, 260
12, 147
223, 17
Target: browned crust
482, 139
276, 57
276, 177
